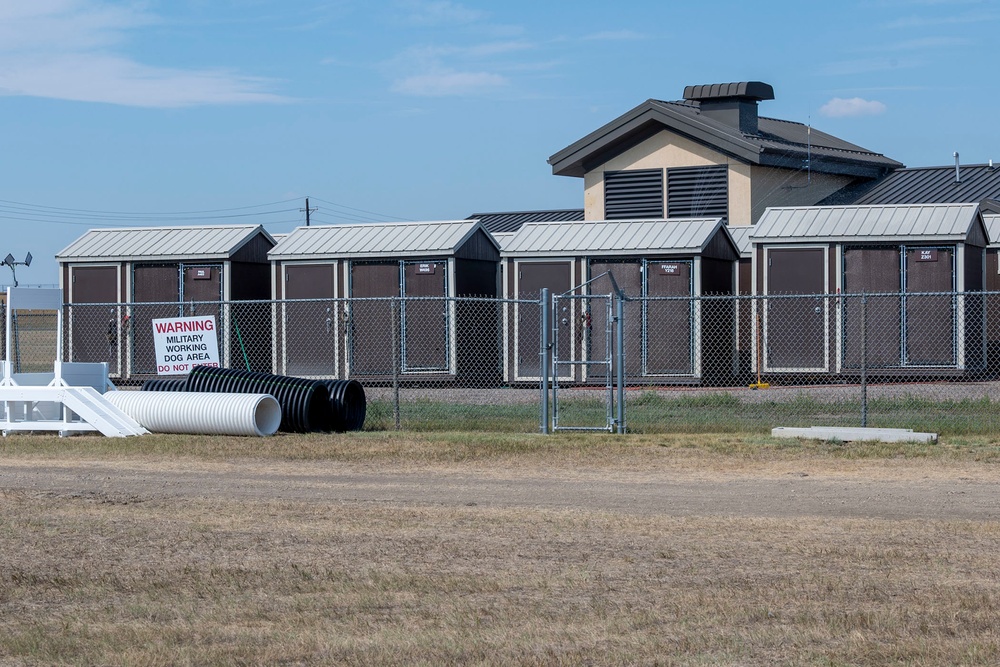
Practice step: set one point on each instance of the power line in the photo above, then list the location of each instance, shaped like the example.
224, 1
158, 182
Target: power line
382, 216
144, 213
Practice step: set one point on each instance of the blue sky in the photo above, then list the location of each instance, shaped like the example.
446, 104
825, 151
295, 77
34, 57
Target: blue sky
122, 113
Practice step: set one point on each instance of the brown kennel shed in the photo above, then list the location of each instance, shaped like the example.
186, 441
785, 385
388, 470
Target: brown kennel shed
991, 284
744, 304
662, 266
915, 265
141, 273
376, 300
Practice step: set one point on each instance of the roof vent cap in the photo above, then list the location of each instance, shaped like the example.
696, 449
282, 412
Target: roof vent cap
733, 104
747, 90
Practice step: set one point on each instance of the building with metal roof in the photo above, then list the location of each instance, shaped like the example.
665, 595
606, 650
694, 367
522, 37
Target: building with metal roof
512, 221
354, 295
164, 272
710, 155
162, 243
617, 237
936, 185
669, 341
370, 239
928, 222
917, 264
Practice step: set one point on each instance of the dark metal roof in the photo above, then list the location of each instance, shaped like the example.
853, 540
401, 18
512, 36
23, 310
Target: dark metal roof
777, 143
513, 220
927, 185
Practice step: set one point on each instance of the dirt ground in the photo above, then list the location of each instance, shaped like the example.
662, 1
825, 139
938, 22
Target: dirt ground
862, 489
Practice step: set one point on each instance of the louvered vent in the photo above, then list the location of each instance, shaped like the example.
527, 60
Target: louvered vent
697, 192
633, 194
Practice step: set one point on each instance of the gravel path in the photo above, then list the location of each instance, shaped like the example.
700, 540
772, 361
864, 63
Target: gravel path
908, 493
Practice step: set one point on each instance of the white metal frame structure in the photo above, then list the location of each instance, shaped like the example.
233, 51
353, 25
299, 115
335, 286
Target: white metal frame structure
67, 400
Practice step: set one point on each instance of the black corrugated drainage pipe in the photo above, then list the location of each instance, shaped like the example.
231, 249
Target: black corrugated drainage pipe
348, 404
165, 384
305, 404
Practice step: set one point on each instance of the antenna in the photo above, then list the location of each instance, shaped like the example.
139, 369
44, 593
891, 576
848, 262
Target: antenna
9, 261
809, 152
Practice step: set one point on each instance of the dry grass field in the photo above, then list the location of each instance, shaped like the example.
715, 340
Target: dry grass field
473, 549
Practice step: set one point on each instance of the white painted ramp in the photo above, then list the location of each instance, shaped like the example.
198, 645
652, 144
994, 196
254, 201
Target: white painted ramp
854, 434
81, 409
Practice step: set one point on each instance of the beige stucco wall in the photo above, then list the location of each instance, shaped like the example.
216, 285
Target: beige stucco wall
752, 188
784, 187
666, 149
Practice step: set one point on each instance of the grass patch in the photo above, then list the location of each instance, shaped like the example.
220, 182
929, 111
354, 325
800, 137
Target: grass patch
203, 581
634, 450
656, 412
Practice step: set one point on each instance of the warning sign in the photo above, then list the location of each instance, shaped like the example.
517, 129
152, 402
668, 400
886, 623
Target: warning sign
183, 342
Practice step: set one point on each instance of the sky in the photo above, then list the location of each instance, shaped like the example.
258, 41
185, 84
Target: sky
122, 113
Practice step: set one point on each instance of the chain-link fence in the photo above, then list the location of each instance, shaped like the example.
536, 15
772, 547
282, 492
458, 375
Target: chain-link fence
33, 340
926, 361
425, 363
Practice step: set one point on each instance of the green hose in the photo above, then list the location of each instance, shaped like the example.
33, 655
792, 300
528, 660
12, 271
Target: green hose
243, 349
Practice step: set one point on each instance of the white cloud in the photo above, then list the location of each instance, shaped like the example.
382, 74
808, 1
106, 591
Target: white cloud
114, 80
839, 107
72, 50
447, 83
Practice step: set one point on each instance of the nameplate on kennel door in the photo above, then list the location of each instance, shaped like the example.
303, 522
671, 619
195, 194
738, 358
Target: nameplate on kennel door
670, 269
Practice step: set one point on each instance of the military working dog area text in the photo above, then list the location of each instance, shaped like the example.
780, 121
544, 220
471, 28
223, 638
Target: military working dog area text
498, 549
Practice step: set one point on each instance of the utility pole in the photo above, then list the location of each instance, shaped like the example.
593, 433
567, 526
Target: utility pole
308, 211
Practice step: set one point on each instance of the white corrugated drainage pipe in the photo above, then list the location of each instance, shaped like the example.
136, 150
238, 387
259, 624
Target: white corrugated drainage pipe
200, 413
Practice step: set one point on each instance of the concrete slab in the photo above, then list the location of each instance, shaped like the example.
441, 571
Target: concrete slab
853, 434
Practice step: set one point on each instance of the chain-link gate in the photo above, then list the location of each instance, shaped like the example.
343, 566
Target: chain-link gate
588, 356
585, 361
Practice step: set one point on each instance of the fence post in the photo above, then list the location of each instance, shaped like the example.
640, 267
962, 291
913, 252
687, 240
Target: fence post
395, 362
620, 360
543, 353
864, 360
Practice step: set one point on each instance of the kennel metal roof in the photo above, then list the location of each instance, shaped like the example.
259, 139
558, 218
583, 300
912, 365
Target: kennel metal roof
614, 237
161, 243
390, 239
741, 237
504, 238
992, 222
924, 222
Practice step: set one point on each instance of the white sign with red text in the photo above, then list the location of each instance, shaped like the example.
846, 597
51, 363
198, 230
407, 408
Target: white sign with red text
183, 342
